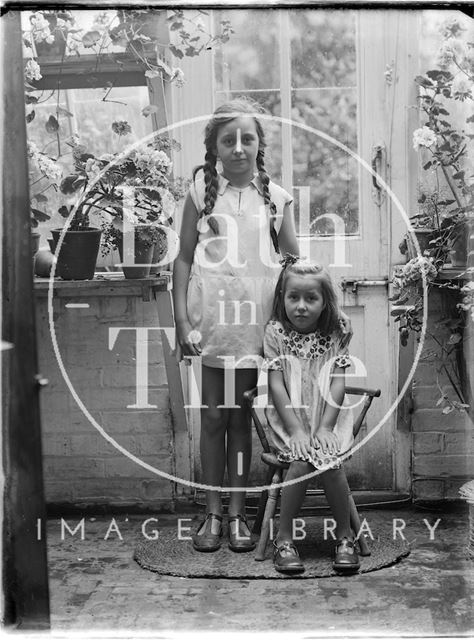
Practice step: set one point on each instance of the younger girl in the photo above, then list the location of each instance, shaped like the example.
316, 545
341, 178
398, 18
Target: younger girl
233, 225
305, 359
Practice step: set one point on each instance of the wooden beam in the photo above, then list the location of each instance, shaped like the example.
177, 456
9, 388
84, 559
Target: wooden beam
25, 575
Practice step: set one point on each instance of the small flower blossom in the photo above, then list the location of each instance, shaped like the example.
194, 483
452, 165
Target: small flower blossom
445, 57
177, 76
40, 28
423, 137
461, 87
451, 28
411, 272
121, 127
48, 167
92, 168
32, 70
455, 46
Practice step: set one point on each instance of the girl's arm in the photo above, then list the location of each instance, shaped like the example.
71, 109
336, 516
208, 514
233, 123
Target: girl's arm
181, 270
287, 234
324, 434
300, 442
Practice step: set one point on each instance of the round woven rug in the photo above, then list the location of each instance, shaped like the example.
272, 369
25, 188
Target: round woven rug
170, 556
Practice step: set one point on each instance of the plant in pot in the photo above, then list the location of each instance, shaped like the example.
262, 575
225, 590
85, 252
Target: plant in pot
44, 174
446, 93
132, 194
446, 202
446, 335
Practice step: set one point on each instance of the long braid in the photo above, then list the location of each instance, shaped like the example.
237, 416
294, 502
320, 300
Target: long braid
212, 182
265, 181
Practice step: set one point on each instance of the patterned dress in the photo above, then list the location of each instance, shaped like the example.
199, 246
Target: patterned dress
234, 273
306, 361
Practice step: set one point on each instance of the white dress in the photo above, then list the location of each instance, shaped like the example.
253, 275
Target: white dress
234, 273
306, 361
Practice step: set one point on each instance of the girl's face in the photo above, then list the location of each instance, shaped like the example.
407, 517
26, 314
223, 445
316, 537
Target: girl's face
237, 146
303, 300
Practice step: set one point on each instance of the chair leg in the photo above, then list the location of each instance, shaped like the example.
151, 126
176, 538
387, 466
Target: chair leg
270, 510
355, 525
257, 524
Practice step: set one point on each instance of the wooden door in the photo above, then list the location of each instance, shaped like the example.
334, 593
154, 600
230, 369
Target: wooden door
337, 83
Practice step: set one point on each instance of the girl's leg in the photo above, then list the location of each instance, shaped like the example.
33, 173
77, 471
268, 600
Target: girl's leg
336, 488
239, 441
212, 444
337, 495
292, 497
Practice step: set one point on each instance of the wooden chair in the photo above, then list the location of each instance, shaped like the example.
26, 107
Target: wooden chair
276, 469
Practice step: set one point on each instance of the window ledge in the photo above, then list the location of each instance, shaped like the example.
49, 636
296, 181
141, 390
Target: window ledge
454, 273
105, 284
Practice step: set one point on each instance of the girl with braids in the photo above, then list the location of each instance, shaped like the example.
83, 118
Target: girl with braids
234, 224
305, 356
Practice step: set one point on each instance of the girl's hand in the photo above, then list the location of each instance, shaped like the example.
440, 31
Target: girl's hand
300, 445
186, 336
346, 330
327, 440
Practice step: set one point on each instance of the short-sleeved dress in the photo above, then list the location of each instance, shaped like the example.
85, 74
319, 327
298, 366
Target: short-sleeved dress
307, 361
234, 273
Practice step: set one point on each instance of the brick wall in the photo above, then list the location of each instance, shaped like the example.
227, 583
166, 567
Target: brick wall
442, 444
80, 466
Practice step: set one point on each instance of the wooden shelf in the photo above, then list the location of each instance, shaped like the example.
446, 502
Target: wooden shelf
105, 284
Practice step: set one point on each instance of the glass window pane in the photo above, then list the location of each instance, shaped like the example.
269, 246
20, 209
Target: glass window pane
91, 120
250, 59
322, 48
324, 96
330, 172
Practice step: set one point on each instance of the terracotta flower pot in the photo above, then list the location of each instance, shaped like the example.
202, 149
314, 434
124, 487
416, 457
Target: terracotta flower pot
141, 259
78, 253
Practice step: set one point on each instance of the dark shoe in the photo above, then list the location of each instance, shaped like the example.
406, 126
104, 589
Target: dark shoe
241, 540
286, 558
204, 539
346, 558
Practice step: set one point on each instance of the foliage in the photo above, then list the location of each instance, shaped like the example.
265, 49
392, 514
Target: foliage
446, 200
54, 34
135, 187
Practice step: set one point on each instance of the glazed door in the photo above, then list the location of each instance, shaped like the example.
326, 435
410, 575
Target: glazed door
337, 84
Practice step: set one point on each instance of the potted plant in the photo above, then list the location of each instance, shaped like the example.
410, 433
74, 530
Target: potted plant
446, 93
446, 201
52, 35
128, 192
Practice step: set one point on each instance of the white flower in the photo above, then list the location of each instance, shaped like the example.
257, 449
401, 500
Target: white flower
445, 57
451, 28
461, 85
168, 203
31, 149
423, 137
32, 70
48, 167
107, 157
455, 46
177, 75
152, 73
40, 28
92, 168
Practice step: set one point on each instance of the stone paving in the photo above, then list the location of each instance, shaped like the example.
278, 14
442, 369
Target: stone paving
96, 586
